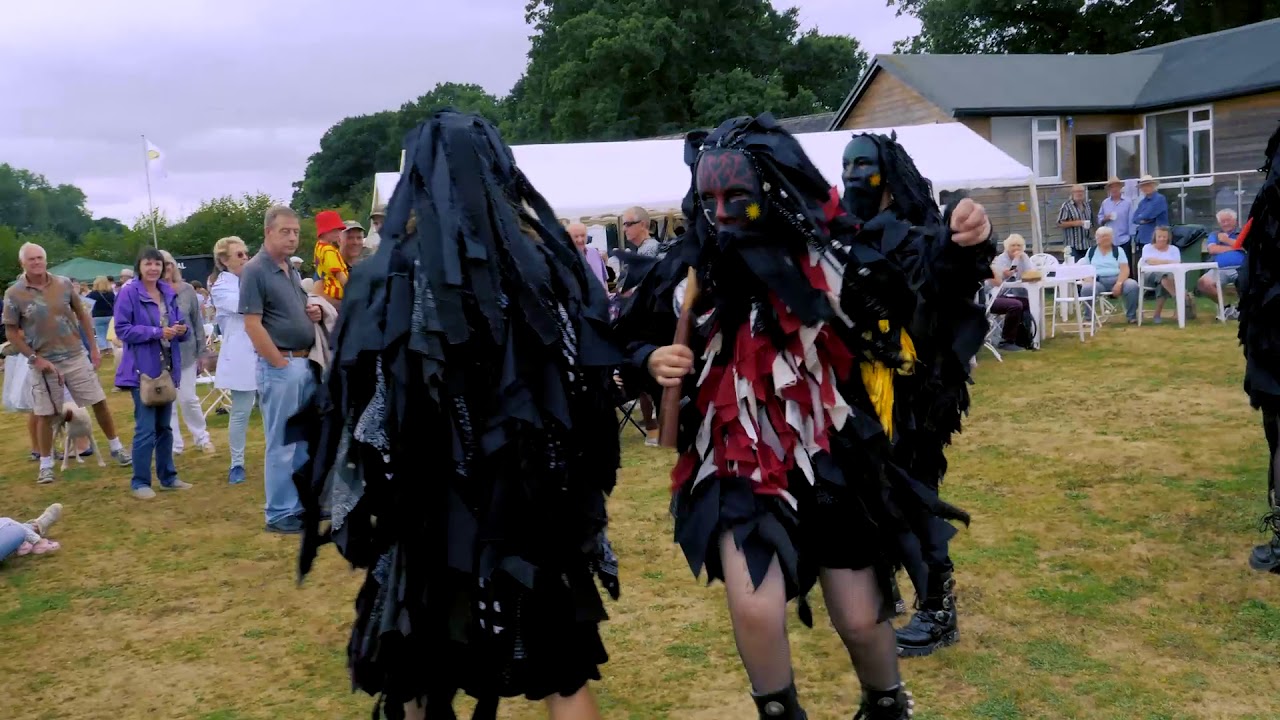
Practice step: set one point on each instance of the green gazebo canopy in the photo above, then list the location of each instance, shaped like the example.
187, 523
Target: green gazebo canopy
86, 270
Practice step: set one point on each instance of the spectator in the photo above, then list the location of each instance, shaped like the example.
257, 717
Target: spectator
187, 408
1012, 303
104, 306
374, 239
1152, 212
578, 233
352, 244
148, 321
1116, 213
331, 269
1221, 247
635, 228
237, 361
126, 277
46, 322
281, 324
1112, 266
1074, 219
31, 537
1162, 252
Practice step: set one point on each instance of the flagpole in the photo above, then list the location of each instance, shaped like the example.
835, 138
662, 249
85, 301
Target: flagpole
146, 166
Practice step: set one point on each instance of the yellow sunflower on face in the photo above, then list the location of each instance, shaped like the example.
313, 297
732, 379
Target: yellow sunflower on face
753, 211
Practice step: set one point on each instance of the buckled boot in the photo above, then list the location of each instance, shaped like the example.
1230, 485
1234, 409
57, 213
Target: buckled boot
1266, 558
782, 705
934, 624
895, 704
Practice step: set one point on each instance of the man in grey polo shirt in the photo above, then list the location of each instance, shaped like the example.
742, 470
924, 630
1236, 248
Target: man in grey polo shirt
281, 325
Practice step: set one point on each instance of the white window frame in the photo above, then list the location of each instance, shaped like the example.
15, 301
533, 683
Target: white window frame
1038, 135
1197, 176
1142, 150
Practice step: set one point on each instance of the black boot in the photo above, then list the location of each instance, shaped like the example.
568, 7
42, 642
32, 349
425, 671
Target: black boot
782, 705
895, 704
1267, 557
934, 624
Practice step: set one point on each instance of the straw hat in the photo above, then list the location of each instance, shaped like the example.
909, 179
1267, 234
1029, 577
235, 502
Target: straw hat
1147, 180
1113, 180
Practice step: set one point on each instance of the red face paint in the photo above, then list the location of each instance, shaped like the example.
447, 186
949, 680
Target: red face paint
729, 189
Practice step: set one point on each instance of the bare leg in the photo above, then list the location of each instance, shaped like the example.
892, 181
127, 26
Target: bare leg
1159, 306
103, 414
44, 435
580, 706
646, 409
853, 602
759, 616
33, 433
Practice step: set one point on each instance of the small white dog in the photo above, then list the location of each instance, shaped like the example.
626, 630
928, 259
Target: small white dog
74, 423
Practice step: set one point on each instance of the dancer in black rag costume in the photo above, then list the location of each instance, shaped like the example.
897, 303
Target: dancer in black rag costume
468, 441
1260, 335
786, 475
887, 197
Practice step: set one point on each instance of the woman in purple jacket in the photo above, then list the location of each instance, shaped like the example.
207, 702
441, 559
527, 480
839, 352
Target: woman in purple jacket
149, 324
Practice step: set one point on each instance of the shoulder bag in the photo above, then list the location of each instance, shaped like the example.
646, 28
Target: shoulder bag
159, 391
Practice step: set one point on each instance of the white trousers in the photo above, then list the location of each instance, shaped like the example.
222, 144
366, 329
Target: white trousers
188, 406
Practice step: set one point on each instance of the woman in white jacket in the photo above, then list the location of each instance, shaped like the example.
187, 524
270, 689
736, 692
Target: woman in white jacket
237, 360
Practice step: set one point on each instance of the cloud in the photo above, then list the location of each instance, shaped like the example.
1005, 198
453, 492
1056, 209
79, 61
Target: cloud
238, 92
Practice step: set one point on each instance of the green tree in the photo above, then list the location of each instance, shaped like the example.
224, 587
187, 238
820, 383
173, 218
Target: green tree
29, 204
215, 219
616, 69
1070, 26
341, 173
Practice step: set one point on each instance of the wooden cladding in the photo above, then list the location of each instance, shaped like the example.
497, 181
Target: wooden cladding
887, 102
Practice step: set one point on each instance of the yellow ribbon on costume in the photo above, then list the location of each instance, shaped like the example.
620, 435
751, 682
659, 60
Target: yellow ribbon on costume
877, 378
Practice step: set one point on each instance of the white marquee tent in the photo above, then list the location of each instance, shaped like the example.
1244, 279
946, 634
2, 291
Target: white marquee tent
585, 180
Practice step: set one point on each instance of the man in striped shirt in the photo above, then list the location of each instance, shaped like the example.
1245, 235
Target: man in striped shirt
1075, 220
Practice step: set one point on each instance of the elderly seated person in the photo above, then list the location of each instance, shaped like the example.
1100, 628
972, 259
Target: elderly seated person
1112, 266
1012, 303
1222, 248
1162, 252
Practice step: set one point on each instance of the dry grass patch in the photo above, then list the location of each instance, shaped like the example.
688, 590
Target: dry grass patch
1114, 487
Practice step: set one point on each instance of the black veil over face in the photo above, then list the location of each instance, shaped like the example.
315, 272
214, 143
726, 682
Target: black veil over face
910, 192
737, 264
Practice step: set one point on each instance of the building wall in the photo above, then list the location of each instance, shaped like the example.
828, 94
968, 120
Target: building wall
888, 101
1241, 127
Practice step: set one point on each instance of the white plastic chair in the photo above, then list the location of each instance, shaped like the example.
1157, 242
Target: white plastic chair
995, 323
1067, 296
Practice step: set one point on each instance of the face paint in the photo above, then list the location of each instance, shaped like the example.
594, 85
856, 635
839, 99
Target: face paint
730, 190
863, 182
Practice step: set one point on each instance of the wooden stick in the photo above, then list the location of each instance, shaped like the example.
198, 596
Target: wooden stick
669, 411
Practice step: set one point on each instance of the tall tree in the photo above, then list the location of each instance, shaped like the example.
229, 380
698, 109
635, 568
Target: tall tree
341, 173
1070, 26
29, 204
616, 69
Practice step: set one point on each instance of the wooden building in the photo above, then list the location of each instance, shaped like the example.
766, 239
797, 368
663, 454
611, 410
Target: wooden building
1190, 110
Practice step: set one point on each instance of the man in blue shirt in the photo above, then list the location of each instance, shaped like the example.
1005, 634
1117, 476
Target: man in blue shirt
1116, 213
1152, 212
1222, 248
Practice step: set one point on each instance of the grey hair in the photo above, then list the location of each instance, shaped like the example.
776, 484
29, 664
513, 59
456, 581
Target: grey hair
22, 251
275, 212
1227, 212
1104, 230
638, 213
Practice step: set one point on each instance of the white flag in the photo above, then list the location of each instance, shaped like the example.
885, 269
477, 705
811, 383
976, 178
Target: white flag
155, 161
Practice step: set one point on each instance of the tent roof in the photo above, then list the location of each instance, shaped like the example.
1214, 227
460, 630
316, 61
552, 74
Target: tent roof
85, 269
605, 178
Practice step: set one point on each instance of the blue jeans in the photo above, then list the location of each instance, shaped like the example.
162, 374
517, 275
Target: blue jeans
283, 393
100, 325
12, 535
152, 435
238, 425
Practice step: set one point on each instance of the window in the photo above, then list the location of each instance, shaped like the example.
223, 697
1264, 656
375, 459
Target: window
1034, 142
1180, 143
1125, 159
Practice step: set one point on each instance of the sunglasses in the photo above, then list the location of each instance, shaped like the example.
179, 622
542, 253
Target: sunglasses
242, 254
629, 223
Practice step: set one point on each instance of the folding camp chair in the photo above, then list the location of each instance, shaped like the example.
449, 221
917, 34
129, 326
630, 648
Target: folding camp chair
627, 409
213, 399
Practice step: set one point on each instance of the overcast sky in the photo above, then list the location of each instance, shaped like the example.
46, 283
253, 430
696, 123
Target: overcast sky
237, 93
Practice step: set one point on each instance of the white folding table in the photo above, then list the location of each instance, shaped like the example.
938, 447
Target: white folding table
1179, 272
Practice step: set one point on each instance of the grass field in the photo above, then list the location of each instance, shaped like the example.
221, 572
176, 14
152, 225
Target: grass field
1115, 487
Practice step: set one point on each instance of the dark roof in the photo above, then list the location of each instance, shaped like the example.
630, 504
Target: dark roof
818, 122
1230, 63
